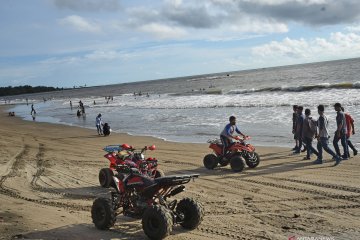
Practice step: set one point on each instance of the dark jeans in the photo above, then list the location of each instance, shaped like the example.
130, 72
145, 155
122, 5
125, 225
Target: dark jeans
299, 138
323, 143
309, 148
225, 142
351, 145
99, 129
343, 143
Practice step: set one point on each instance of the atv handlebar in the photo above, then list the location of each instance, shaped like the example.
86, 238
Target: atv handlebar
242, 138
238, 138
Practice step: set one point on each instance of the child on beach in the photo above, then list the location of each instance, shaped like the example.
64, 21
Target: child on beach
99, 123
106, 129
323, 137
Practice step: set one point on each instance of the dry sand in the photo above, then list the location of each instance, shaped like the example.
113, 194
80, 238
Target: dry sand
49, 178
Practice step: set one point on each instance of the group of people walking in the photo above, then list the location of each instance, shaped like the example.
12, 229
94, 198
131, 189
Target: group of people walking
305, 128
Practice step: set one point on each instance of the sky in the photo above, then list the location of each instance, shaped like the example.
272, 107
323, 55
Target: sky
66, 43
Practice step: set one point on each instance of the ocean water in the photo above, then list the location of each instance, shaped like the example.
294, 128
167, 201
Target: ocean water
196, 108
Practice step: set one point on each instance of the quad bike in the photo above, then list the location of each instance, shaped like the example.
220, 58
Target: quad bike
235, 154
131, 157
142, 197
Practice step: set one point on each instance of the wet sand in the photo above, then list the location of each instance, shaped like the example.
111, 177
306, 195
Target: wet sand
49, 178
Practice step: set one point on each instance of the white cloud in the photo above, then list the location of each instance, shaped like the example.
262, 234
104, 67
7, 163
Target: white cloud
338, 45
278, 2
80, 24
163, 31
253, 25
353, 28
102, 55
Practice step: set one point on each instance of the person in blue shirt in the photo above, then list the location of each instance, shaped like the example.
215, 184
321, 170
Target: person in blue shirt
227, 135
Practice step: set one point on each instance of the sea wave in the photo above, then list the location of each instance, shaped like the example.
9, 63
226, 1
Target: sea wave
301, 88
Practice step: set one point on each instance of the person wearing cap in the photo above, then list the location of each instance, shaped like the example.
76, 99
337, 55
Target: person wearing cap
340, 133
99, 123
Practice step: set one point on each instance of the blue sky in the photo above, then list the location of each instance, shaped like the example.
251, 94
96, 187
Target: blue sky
67, 43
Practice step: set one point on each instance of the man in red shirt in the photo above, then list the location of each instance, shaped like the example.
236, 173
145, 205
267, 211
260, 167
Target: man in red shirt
350, 130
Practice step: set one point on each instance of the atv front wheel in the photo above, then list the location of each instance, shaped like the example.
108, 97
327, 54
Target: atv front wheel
106, 177
237, 164
210, 161
253, 161
159, 173
103, 214
223, 161
192, 212
157, 222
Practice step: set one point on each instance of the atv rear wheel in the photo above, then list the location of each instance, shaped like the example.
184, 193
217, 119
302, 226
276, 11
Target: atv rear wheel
159, 173
237, 164
157, 222
210, 161
253, 161
105, 177
192, 211
103, 214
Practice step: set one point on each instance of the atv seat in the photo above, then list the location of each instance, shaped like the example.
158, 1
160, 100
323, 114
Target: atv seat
175, 179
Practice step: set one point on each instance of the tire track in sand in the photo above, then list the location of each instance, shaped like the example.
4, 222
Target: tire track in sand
40, 169
12, 171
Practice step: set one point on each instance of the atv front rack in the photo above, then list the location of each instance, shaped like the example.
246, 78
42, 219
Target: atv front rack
113, 148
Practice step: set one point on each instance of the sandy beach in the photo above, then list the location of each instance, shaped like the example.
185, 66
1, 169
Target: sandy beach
49, 179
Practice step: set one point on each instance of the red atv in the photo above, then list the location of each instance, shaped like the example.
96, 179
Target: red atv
140, 196
133, 158
235, 154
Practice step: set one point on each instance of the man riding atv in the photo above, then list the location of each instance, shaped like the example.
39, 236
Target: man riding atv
226, 135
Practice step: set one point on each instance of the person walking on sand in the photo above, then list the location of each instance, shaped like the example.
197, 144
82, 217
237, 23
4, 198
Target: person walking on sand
323, 137
294, 118
32, 109
226, 135
99, 124
340, 133
308, 134
299, 128
350, 131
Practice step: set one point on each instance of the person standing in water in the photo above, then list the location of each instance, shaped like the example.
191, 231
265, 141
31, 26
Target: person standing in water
32, 109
